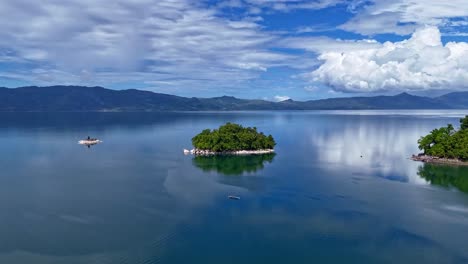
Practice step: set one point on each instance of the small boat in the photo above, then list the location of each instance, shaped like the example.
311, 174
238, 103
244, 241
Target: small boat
233, 197
89, 141
186, 151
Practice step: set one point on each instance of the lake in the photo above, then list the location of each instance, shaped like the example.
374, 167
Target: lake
340, 189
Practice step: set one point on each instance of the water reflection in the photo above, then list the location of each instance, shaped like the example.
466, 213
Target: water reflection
137, 199
445, 176
372, 146
233, 165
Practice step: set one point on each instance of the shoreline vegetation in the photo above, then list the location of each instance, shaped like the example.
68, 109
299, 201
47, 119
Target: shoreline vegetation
445, 145
232, 139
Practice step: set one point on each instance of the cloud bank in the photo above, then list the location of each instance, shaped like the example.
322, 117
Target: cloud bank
164, 43
421, 62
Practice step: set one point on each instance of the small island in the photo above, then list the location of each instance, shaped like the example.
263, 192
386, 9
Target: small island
445, 145
232, 139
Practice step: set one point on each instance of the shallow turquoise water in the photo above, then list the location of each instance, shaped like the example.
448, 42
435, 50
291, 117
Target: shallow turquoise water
136, 198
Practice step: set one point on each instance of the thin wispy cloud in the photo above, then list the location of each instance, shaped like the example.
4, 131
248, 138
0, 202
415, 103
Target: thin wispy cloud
257, 6
402, 17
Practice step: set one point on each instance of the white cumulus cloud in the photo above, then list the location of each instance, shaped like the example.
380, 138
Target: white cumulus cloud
421, 62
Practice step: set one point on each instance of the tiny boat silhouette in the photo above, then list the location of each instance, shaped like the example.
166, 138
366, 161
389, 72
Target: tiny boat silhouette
233, 197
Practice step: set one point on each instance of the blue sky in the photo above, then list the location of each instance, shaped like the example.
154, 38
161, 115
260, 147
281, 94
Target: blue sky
267, 49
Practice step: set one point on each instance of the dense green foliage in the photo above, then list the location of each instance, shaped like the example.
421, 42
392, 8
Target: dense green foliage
464, 123
446, 176
232, 164
446, 142
232, 137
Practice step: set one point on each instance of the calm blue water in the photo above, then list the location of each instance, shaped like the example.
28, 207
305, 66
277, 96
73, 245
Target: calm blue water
136, 198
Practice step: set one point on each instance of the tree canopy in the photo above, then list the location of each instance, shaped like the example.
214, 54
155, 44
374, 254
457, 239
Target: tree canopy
446, 142
232, 137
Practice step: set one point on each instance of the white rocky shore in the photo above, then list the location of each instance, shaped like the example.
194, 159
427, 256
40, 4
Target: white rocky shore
438, 160
201, 152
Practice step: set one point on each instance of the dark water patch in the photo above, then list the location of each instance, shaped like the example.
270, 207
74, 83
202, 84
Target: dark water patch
340, 196
311, 197
398, 178
415, 248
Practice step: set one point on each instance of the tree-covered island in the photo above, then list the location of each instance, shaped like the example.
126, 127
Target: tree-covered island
445, 145
232, 139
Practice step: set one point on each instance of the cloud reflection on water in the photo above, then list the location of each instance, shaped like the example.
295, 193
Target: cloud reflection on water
374, 147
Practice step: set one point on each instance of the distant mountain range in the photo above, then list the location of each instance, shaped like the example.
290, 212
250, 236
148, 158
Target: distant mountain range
87, 99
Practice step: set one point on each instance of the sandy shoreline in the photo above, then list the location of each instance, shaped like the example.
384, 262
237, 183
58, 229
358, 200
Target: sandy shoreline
437, 160
238, 152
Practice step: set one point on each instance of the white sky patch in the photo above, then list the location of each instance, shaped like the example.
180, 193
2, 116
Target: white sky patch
324, 44
419, 63
279, 98
311, 88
